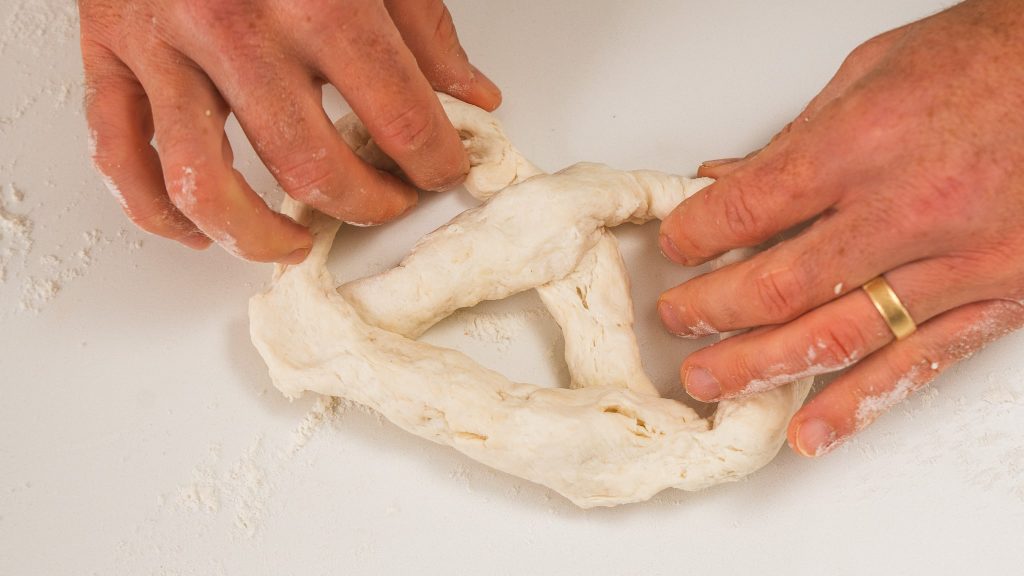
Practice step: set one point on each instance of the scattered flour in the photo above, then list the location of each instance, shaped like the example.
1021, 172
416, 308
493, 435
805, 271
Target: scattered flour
15, 194
498, 328
39, 289
34, 25
203, 492
42, 279
250, 484
978, 436
245, 487
60, 92
325, 409
993, 454
15, 234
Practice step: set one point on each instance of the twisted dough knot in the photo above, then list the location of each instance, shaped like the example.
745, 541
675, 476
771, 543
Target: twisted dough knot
610, 439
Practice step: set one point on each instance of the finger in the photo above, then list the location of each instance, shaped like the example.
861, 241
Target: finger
756, 200
716, 168
379, 78
719, 168
778, 188
429, 32
857, 398
120, 131
279, 107
189, 117
301, 147
836, 254
833, 336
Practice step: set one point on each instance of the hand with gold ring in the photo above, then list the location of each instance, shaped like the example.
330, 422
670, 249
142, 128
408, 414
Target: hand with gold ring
909, 167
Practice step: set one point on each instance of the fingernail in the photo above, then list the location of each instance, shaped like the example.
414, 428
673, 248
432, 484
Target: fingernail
815, 438
196, 241
486, 85
669, 249
670, 318
702, 385
719, 162
297, 256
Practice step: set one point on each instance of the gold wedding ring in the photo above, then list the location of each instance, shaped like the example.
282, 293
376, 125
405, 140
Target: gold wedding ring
889, 306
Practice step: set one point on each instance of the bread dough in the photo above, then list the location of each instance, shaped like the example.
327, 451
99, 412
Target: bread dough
610, 439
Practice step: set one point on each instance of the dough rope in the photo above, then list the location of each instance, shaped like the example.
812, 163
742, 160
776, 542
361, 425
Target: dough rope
608, 440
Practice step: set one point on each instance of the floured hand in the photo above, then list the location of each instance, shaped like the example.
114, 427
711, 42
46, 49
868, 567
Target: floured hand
910, 163
176, 69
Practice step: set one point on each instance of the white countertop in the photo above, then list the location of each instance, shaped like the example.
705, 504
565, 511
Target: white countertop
140, 433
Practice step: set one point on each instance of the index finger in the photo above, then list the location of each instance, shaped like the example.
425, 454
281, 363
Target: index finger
378, 76
771, 192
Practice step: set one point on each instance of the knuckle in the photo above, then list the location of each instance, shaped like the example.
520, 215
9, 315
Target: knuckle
320, 19
208, 15
838, 344
101, 112
409, 128
188, 190
305, 175
861, 52
746, 369
100, 21
234, 30
869, 50
740, 219
781, 293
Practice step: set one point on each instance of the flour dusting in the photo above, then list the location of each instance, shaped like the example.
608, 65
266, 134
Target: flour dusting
780, 377
14, 193
243, 487
872, 406
701, 329
203, 492
40, 288
33, 25
326, 408
187, 188
15, 234
980, 438
498, 328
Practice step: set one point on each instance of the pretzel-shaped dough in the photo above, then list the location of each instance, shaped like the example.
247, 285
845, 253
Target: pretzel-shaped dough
610, 439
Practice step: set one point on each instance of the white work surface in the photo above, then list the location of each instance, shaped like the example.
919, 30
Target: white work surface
140, 433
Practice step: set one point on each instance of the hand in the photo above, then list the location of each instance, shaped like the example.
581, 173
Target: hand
910, 163
176, 68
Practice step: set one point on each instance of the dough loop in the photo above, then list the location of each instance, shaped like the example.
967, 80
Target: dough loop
610, 439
